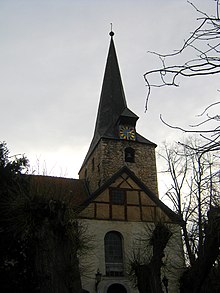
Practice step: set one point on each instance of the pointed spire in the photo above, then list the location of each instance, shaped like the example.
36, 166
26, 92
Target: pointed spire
112, 100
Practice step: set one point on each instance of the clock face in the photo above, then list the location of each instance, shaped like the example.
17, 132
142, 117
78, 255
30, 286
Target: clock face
127, 132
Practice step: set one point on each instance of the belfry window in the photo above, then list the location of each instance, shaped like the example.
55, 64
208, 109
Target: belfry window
129, 155
113, 254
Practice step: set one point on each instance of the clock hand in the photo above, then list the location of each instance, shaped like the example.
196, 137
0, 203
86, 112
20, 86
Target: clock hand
128, 134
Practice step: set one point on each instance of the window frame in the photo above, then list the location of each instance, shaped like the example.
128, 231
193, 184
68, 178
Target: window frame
114, 267
113, 196
129, 151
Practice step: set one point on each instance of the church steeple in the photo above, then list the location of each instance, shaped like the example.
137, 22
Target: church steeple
112, 104
112, 100
115, 142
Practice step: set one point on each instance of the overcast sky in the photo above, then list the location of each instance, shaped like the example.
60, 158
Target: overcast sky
52, 60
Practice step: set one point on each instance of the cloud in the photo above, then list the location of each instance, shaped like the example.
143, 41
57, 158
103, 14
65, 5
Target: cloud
53, 56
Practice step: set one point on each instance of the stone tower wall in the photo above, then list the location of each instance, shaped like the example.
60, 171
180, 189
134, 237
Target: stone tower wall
108, 157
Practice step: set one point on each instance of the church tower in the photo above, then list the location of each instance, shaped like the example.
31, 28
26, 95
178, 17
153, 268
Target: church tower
120, 203
116, 143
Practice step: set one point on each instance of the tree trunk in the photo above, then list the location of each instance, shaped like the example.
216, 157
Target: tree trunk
193, 279
57, 265
149, 276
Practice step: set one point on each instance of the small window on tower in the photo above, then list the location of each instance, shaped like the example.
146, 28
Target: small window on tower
129, 155
93, 164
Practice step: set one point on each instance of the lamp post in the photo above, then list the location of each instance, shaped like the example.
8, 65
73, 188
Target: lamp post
98, 278
165, 282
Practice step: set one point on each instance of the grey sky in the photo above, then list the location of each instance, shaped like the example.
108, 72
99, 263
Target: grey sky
52, 59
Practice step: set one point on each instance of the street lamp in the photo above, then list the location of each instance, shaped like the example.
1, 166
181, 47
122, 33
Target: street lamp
165, 282
98, 278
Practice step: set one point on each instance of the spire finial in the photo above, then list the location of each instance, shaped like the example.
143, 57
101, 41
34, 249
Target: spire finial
111, 32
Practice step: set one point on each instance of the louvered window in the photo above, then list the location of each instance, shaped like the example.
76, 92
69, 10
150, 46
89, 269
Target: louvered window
129, 155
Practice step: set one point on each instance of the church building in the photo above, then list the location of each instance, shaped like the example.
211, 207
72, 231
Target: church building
116, 196
120, 173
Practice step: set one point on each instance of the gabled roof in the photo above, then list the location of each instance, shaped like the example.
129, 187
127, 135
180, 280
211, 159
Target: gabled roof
173, 216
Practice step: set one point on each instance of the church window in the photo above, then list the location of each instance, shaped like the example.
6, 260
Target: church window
117, 196
129, 155
113, 254
93, 164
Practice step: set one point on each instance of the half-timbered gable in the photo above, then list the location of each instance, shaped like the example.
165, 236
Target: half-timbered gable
125, 198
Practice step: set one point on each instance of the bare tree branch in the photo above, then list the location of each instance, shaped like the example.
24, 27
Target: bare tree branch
204, 43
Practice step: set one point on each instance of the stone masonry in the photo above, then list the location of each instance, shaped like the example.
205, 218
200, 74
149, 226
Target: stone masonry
108, 157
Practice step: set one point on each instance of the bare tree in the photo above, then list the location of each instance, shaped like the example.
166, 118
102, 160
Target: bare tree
198, 207
195, 194
147, 266
203, 45
177, 166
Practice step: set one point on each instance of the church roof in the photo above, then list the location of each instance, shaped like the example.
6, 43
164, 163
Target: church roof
73, 190
112, 103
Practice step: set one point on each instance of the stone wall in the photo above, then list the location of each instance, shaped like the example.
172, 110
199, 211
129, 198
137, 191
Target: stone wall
109, 157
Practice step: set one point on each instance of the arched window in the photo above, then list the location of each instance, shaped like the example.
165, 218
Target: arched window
129, 155
113, 254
